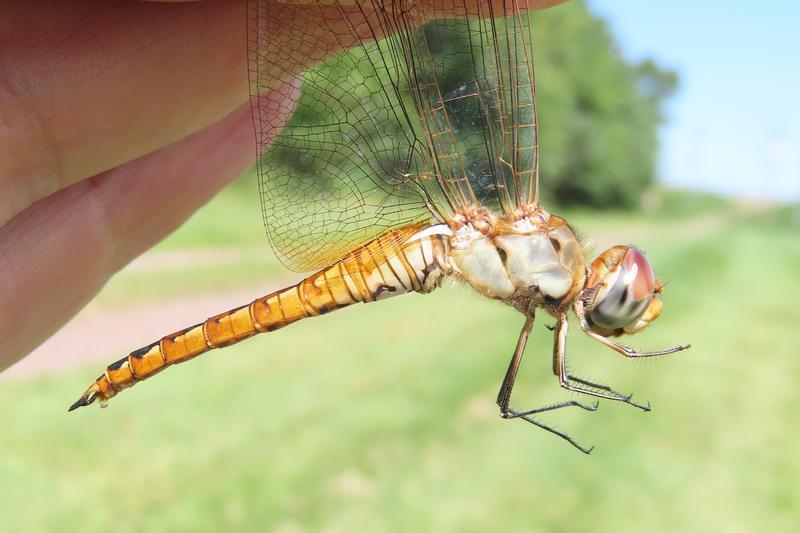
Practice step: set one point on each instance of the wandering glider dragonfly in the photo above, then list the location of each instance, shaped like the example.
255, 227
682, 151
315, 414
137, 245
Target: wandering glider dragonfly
411, 157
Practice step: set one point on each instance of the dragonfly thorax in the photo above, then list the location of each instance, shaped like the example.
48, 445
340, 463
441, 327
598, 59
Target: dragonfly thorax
529, 260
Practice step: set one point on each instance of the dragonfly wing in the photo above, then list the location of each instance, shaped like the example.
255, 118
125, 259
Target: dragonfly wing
336, 176
430, 109
470, 73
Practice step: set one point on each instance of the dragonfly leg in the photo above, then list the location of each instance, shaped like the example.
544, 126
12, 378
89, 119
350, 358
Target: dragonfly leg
504, 396
583, 386
624, 350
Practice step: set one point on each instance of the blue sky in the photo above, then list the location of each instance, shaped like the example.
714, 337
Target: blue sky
734, 125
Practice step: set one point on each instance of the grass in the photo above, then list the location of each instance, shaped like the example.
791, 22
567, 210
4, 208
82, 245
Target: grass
381, 417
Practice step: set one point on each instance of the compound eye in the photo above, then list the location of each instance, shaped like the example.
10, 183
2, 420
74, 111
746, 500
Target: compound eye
627, 291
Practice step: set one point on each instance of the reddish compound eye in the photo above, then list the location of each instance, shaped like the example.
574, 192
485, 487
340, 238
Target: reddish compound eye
626, 291
639, 274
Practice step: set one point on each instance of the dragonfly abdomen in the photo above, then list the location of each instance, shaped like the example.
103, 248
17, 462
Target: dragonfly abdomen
401, 261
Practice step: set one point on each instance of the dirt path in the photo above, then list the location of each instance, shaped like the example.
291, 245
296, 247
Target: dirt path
104, 335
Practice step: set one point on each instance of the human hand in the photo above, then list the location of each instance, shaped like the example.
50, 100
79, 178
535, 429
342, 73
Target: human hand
117, 121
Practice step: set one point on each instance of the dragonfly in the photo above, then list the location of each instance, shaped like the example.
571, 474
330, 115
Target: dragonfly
411, 157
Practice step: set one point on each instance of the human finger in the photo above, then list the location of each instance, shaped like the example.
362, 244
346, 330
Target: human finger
58, 253
88, 86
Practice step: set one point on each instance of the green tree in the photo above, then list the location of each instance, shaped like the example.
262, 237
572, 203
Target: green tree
599, 114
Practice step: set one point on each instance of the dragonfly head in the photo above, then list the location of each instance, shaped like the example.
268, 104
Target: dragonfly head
621, 292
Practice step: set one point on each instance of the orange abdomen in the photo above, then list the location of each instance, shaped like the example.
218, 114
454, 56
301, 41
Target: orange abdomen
390, 265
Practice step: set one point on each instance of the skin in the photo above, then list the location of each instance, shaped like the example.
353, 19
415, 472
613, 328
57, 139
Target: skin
118, 120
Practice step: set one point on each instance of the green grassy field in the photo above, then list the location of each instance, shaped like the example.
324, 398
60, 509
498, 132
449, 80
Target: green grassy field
381, 417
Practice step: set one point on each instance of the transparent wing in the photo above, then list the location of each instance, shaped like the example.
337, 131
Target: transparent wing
470, 73
408, 111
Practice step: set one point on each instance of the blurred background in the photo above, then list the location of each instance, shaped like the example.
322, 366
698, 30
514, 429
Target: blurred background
673, 126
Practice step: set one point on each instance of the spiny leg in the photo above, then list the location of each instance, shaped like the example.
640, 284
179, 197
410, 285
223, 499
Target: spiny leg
504, 395
580, 312
566, 380
552, 407
554, 431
